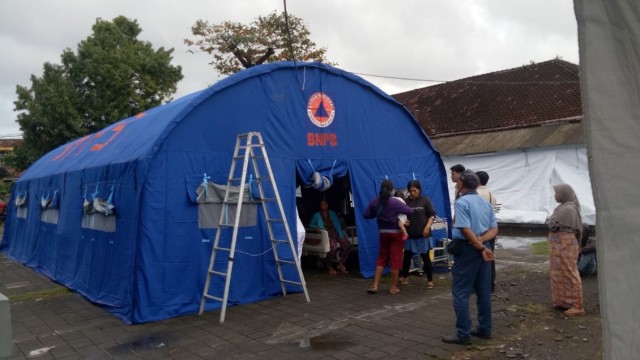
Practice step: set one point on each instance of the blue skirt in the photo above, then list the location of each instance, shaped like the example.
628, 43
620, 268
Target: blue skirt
419, 245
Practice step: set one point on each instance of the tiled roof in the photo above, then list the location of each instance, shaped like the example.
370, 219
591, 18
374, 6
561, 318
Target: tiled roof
512, 139
5, 143
530, 95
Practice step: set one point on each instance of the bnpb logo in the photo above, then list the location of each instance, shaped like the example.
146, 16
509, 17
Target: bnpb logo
321, 110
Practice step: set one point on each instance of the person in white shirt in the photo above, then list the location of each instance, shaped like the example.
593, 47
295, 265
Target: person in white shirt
487, 195
456, 170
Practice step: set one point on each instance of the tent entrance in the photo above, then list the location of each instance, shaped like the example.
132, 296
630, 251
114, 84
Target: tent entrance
340, 200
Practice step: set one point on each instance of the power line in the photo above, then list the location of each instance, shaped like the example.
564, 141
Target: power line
472, 81
400, 78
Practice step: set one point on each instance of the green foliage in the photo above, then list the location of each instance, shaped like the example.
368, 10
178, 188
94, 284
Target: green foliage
540, 248
536, 309
41, 294
5, 190
235, 46
112, 76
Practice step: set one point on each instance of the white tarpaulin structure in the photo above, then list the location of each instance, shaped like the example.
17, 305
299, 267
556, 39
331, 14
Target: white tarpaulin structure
522, 181
609, 37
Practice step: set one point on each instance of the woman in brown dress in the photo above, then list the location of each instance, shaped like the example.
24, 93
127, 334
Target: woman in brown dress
565, 227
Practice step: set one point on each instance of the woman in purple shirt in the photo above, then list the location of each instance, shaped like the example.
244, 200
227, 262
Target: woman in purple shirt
386, 210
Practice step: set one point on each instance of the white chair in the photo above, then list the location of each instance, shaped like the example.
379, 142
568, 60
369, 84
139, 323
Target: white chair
320, 243
440, 249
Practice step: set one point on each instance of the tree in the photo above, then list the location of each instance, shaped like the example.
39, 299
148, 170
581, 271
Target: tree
235, 46
112, 76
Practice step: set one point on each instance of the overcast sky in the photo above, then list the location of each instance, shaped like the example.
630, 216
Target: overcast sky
421, 39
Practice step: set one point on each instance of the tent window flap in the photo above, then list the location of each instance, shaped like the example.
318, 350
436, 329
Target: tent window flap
209, 197
98, 208
49, 204
21, 204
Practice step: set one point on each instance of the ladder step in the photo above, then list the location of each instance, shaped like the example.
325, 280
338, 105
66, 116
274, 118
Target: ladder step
287, 262
222, 248
257, 179
213, 297
279, 241
275, 220
218, 273
269, 199
292, 282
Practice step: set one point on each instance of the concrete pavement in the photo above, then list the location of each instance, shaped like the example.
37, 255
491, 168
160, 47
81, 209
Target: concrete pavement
342, 321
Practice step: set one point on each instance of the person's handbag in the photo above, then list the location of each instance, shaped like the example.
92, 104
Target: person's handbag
454, 247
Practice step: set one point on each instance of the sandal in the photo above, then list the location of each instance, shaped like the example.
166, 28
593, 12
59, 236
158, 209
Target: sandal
404, 281
394, 291
373, 290
342, 269
574, 312
332, 271
430, 286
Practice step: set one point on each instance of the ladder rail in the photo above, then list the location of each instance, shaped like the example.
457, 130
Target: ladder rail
216, 241
234, 235
212, 261
270, 224
294, 251
221, 222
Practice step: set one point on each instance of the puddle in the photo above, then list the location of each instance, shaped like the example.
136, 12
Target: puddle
18, 284
324, 342
146, 342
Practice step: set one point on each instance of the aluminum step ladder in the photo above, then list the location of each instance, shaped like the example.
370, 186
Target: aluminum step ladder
250, 150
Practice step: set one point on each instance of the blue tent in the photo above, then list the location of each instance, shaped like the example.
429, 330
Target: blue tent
116, 215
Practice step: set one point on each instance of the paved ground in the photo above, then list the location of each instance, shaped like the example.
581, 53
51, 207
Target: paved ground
342, 321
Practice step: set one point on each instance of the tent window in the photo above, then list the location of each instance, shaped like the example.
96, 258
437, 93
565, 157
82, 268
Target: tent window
209, 197
49, 204
98, 208
21, 204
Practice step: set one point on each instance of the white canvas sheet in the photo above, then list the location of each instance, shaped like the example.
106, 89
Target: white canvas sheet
523, 181
609, 37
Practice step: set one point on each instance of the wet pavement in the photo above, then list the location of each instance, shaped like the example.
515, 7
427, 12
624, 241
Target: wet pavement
342, 321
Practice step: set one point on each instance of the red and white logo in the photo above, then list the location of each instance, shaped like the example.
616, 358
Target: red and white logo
321, 110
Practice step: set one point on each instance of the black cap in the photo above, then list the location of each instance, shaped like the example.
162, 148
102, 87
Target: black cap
469, 179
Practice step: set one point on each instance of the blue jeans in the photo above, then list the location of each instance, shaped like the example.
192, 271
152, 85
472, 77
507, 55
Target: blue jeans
471, 272
587, 264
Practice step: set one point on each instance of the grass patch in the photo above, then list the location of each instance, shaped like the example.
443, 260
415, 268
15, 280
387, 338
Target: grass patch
540, 248
533, 309
41, 294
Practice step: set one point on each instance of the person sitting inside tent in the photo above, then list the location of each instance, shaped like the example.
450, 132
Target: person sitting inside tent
326, 219
587, 264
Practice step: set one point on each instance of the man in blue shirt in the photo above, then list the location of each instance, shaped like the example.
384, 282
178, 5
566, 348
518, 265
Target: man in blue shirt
474, 225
